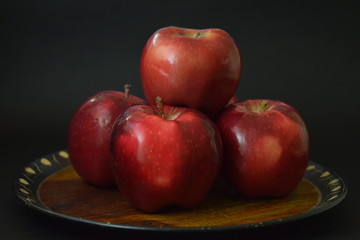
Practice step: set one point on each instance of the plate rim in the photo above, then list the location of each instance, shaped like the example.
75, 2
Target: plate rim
332, 185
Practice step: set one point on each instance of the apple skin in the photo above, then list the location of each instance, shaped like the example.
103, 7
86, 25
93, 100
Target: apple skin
159, 162
178, 61
89, 133
234, 99
266, 147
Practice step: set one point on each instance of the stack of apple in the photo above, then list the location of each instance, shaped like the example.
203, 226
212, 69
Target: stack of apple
171, 150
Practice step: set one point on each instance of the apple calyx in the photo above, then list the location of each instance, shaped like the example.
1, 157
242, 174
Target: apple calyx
260, 107
127, 90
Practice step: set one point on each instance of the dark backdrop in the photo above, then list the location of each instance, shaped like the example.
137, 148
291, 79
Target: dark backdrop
57, 53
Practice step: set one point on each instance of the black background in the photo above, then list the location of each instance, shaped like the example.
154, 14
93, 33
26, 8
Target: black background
54, 54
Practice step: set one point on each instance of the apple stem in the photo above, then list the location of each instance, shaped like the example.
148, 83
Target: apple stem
127, 90
160, 106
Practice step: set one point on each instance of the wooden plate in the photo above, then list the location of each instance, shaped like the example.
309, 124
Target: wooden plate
50, 184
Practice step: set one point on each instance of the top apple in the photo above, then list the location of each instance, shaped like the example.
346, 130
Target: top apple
191, 67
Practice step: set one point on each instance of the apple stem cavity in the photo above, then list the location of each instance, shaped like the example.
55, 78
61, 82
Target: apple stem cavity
261, 107
199, 35
127, 90
160, 107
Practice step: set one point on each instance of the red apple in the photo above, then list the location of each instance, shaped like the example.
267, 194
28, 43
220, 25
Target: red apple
89, 134
234, 99
178, 61
266, 147
165, 155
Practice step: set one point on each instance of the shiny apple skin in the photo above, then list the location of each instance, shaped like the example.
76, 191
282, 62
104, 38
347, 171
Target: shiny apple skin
265, 153
159, 162
89, 133
197, 72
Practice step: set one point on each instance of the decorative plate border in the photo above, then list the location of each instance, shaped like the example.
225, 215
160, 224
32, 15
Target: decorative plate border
26, 183
29, 179
332, 187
